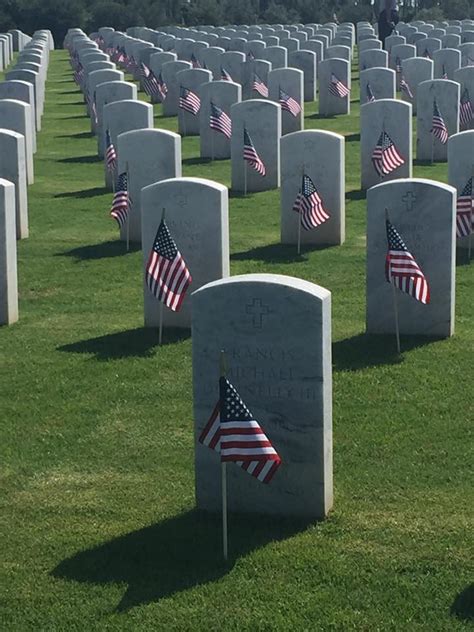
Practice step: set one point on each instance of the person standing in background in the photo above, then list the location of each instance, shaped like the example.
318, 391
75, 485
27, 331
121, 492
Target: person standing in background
388, 19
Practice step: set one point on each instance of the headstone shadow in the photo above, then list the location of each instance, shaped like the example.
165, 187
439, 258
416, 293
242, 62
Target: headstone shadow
79, 136
463, 606
81, 160
140, 343
86, 193
277, 253
352, 138
173, 555
197, 161
363, 351
356, 194
104, 250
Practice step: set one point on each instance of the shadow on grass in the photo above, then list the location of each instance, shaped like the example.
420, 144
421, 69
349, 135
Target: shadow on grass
81, 135
139, 343
277, 253
424, 163
77, 91
462, 258
356, 194
353, 138
463, 605
197, 161
364, 351
75, 116
172, 556
83, 160
104, 250
86, 193
327, 117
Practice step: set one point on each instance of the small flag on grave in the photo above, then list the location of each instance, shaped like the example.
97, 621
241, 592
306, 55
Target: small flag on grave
369, 94
250, 56
144, 70
167, 276
439, 129
195, 61
386, 157
189, 101
337, 88
251, 155
220, 121
445, 73
464, 211
233, 431
398, 65
288, 103
110, 153
309, 205
405, 88
225, 76
162, 87
121, 202
151, 85
259, 86
466, 112
426, 54
402, 270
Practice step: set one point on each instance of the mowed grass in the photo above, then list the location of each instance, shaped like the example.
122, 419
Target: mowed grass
99, 530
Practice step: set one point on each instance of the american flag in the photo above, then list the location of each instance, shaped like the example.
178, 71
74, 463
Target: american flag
251, 156
464, 211
466, 113
93, 105
79, 73
132, 65
337, 88
151, 85
426, 54
309, 205
220, 121
167, 275
445, 73
144, 70
121, 56
439, 129
121, 202
250, 56
370, 94
225, 76
402, 270
110, 153
259, 86
233, 432
386, 157
289, 104
195, 61
189, 101
398, 65
162, 87
405, 88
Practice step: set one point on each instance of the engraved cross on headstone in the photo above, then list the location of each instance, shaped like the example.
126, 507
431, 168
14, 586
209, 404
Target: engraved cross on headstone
409, 199
257, 310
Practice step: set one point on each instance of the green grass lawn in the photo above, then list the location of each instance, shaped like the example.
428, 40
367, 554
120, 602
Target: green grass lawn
99, 530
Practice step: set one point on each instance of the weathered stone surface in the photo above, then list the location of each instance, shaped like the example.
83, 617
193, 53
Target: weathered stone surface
13, 169
285, 379
446, 94
223, 94
423, 213
290, 81
461, 166
8, 257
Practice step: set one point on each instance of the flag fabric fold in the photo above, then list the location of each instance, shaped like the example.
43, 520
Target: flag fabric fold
121, 202
259, 86
405, 88
337, 88
309, 205
370, 97
288, 103
110, 153
189, 101
439, 129
464, 211
166, 274
386, 157
251, 155
233, 432
220, 121
466, 111
402, 270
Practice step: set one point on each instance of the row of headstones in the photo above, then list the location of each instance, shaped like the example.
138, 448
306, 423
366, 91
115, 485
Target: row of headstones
21, 107
464, 28
284, 373
245, 315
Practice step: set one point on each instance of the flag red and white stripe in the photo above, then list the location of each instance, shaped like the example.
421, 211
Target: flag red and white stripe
121, 202
289, 104
110, 153
337, 88
466, 112
189, 101
238, 437
251, 155
439, 129
402, 270
309, 205
386, 157
166, 273
464, 211
220, 121
259, 86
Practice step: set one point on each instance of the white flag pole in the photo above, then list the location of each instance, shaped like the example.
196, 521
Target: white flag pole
225, 547
128, 204
395, 304
162, 305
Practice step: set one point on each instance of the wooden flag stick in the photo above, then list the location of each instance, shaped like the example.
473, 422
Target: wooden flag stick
128, 214
162, 305
225, 547
395, 304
